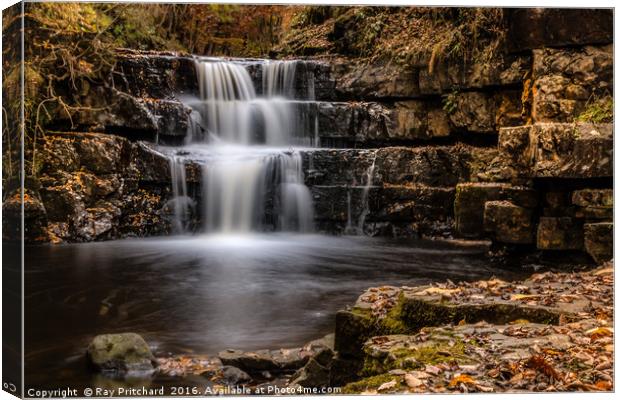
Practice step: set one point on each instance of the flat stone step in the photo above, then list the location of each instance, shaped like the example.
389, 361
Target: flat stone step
544, 298
575, 352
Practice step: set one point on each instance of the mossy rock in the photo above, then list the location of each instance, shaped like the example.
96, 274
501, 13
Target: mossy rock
406, 355
120, 353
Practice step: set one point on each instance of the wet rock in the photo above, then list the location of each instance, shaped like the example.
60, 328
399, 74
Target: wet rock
120, 353
432, 166
33, 213
508, 222
316, 372
149, 164
313, 374
415, 203
418, 209
59, 154
171, 116
265, 360
161, 75
355, 122
564, 80
599, 240
101, 153
556, 150
234, 376
531, 28
113, 189
562, 233
98, 221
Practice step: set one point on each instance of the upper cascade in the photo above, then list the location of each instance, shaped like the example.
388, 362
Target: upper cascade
230, 111
279, 78
252, 177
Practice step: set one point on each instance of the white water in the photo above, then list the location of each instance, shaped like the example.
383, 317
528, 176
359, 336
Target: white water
252, 176
370, 172
181, 202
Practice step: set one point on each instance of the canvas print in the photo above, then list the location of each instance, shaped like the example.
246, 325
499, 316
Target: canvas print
229, 199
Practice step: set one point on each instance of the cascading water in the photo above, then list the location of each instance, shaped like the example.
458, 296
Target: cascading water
370, 172
252, 177
181, 202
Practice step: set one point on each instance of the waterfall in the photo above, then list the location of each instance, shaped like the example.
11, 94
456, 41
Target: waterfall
181, 202
279, 78
365, 192
252, 176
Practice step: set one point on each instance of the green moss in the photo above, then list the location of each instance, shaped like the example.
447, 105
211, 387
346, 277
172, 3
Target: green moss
411, 358
372, 382
600, 110
393, 322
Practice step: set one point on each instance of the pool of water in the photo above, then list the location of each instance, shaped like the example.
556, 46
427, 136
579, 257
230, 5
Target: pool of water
203, 294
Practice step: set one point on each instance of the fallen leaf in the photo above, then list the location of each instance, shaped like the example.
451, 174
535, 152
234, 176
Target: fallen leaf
597, 333
603, 385
541, 364
462, 378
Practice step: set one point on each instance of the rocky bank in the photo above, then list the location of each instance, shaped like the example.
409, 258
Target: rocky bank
551, 332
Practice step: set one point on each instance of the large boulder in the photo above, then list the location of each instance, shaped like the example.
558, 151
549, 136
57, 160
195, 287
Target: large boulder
120, 353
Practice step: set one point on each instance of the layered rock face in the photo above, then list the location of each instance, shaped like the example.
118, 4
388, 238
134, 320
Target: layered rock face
96, 186
494, 149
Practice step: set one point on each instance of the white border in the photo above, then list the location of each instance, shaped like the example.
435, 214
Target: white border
464, 3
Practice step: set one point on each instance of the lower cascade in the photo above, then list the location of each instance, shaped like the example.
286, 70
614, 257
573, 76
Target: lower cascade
251, 177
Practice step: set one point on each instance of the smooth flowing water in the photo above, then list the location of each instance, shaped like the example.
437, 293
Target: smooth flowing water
204, 294
252, 171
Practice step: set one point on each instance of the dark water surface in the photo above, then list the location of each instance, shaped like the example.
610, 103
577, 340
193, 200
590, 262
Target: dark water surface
205, 294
